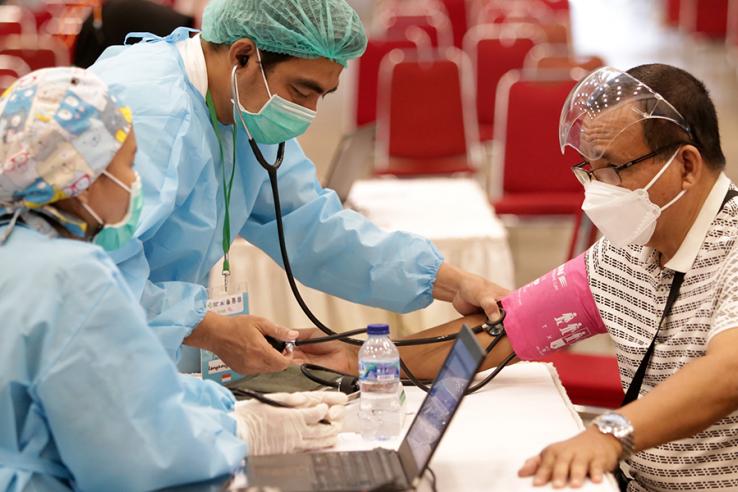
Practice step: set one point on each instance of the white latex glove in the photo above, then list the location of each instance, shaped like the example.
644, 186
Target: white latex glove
273, 430
334, 399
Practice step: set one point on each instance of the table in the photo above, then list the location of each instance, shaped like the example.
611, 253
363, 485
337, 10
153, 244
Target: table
454, 213
495, 430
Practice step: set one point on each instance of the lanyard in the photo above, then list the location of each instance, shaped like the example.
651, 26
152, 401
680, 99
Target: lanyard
635, 385
227, 188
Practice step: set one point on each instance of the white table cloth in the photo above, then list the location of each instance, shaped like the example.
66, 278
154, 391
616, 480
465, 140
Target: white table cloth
495, 430
453, 213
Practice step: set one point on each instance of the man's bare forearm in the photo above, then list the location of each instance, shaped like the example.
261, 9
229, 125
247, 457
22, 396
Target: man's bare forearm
424, 361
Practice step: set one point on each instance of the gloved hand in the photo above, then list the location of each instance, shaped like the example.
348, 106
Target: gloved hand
312, 423
334, 399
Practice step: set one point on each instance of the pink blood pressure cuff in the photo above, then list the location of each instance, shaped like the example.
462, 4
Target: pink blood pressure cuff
552, 312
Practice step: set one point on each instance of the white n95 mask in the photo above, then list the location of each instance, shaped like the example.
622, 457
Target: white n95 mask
625, 216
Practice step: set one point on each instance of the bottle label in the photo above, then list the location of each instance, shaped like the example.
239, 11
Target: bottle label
379, 371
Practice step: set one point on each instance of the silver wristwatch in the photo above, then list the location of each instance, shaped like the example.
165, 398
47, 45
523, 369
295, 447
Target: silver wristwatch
619, 427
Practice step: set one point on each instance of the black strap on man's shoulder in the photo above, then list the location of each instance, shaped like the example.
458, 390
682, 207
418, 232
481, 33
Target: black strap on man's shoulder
635, 385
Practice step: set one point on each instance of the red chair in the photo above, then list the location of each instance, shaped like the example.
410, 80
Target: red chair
457, 15
673, 8
532, 177
16, 20
591, 380
494, 51
393, 18
436, 26
368, 76
42, 52
731, 35
426, 122
553, 22
706, 18
560, 57
557, 5
13, 66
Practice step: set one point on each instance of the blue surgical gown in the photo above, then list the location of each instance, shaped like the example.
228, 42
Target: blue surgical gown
180, 238
89, 399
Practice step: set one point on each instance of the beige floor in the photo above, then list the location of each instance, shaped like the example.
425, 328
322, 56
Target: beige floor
626, 33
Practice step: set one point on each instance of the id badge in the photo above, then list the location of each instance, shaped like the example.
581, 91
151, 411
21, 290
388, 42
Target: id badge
226, 304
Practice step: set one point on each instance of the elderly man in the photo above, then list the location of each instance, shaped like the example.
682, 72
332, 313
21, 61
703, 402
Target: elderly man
662, 283
663, 278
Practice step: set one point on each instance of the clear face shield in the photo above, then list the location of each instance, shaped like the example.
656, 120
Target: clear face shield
607, 104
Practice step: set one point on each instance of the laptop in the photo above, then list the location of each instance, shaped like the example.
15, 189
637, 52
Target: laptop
352, 161
379, 468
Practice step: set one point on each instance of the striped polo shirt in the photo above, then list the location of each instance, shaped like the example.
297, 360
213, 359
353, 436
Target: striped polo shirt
630, 289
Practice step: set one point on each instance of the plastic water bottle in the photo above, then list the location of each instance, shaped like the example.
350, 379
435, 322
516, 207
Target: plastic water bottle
381, 410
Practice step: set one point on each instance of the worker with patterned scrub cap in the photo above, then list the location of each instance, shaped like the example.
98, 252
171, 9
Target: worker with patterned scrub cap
252, 79
90, 399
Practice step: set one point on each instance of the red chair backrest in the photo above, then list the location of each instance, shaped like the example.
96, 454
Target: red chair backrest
12, 66
457, 15
731, 35
368, 76
437, 26
41, 52
36, 58
557, 5
10, 28
557, 57
673, 7
16, 20
529, 108
424, 107
708, 18
493, 55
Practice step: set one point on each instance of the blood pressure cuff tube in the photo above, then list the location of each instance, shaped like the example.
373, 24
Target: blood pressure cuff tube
552, 312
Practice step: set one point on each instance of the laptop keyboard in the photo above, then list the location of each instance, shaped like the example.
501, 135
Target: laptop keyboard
356, 470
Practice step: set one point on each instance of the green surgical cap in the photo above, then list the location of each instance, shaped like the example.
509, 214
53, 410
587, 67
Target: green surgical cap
301, 28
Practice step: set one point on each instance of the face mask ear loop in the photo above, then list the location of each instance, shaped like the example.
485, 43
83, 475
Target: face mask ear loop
663, 170
237, 103
118, 182
673, 201
92, 212
263, 75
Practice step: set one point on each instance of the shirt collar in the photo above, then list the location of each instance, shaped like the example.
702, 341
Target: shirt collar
194, 62
687, 253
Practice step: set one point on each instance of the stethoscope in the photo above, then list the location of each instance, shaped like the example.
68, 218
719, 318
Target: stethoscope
346, 383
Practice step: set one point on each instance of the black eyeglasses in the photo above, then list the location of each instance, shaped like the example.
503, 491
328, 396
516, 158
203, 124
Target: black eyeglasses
611, 174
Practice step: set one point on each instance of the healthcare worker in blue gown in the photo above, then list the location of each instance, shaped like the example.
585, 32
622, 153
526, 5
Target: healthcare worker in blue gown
260, 68
89, 399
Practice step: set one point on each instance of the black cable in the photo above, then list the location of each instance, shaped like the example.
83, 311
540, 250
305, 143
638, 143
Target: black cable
433, 480
496, 327
344, 337
258, 397
329, 338
492, 375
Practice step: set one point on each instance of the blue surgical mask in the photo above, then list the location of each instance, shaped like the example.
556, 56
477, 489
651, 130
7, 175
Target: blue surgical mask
113, 236
279, 120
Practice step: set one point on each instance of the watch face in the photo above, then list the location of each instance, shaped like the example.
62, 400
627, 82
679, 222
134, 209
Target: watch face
615, 424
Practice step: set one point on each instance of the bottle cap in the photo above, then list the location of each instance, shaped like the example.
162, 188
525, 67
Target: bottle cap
377, 329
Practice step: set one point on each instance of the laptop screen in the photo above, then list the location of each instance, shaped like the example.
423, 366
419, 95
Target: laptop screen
443, 399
